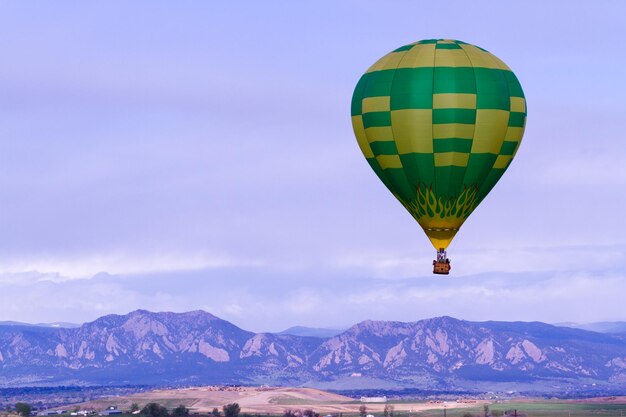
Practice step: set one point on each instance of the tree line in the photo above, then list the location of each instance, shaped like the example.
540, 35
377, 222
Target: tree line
152, 409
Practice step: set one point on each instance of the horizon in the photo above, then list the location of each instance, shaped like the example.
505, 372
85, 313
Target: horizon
59, 324
202, 157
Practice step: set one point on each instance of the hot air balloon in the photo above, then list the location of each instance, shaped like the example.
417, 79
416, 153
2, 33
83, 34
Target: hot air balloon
439, 121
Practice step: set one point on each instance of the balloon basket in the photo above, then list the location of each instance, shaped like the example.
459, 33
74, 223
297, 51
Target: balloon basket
441, 268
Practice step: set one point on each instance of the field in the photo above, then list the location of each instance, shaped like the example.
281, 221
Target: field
274, 401
544, 408
262, 401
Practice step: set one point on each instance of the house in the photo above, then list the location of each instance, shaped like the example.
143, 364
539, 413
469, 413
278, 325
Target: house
110, 411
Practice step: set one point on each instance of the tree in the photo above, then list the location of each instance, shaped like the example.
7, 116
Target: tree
291, 413
309, 413
180, 411
23, 409
388, 410
215, 412
134, 407
154, 410
362, 410
231, 410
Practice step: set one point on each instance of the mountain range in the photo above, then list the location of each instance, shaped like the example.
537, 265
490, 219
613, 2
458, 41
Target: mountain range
197, 347
53, 324
311, 331
601, 326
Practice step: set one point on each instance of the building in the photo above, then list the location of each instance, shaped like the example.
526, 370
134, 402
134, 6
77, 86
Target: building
110, 411
382, 399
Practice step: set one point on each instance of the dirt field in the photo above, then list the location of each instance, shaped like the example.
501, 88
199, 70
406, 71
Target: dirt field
260, 400
263, 400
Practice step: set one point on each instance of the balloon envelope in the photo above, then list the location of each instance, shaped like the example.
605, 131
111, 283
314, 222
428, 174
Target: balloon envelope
439, 122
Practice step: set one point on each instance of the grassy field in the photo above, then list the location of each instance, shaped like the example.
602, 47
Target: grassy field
536, 408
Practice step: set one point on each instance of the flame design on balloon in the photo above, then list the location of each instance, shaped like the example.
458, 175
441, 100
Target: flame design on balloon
447, 211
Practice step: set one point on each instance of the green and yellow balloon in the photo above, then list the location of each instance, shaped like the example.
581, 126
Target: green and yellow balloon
439, 122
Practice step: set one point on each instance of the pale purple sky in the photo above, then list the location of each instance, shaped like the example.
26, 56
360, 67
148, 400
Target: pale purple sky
175, 156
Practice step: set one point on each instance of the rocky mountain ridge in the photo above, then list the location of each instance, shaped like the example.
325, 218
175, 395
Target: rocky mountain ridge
197, 347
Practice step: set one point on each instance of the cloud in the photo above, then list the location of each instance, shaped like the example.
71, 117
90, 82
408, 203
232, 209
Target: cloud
476, 261
259, 299
57, 269
25, 279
